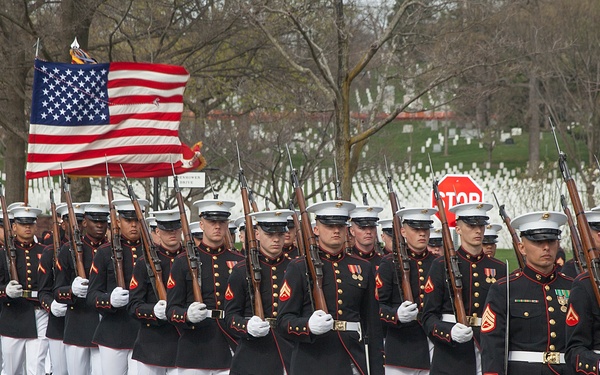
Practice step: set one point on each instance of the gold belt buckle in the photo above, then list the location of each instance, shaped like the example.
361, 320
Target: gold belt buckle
473, 321
339, 325
218, 314
552, 358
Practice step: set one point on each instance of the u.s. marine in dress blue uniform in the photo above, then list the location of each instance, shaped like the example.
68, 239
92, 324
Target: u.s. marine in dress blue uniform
261, 349
204, 334
537, 305
349, 289
583, 315
23, 321
456, 347
56, 311
155, 347
363, 227
81, 319
117, 330
407, 349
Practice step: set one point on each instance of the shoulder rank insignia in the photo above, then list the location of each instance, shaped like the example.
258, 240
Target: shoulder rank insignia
170, 282
488, 320
286, 292
378, 282
41, 269
572, 317
429, 285
133, 283
94, 269
228, 293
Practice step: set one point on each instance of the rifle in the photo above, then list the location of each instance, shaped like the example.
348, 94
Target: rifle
591, 258
76, 243
578, 256
117, 247
190, 247
153, 263
297, 228
55, 226
253, 268
450, 257
10, 250
313, 261
399, 253
513, 234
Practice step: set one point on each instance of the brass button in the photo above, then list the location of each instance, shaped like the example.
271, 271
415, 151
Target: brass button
476, 294
218, 303
216, 274
217, 294
551, 309
552, 322
340, 301
340, 312
339, 281
526, 313
215, 265
337, 272
422, 286
422, 278
335, 264
217, 284
474, 315
476, 304
421, 270
552, 347
274, 277
275, 286
28, 264
547, 287
553, 335
274, 313
420, 263
214, 258
549, 298
475, 274
476, 284
274, 268
474, 265
275, 295
274, 304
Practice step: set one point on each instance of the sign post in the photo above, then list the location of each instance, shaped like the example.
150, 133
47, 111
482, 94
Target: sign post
456, 189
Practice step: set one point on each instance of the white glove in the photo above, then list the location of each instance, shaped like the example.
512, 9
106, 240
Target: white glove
160, 309
58, 309
407, 312
196, 312
461, 333
119, 297
320, 323
80, 287
258, 327
14, 289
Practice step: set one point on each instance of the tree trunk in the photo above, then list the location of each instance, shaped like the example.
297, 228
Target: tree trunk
534, 125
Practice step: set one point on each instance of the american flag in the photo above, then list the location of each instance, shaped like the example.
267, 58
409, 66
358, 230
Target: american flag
125, 113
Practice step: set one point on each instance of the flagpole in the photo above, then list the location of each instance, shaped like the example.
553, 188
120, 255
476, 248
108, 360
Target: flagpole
26, 198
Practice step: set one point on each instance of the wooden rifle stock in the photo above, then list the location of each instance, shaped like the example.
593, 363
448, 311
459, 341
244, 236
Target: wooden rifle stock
513, 234
190, 247
76, 243
578, 255
9, 246
117, 247
591, 257
400, 256
451, 260
311, 249
153, 263
298, 229
252, 262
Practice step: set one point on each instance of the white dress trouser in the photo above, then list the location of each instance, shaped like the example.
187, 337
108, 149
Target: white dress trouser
116, 361
144, 369
58, 358
30, 352
82, 360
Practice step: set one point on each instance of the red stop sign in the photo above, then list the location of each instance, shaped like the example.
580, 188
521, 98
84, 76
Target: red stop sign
455, 189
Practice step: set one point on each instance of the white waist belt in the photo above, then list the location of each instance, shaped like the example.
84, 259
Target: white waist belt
473, 322
344, 326
553, 358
